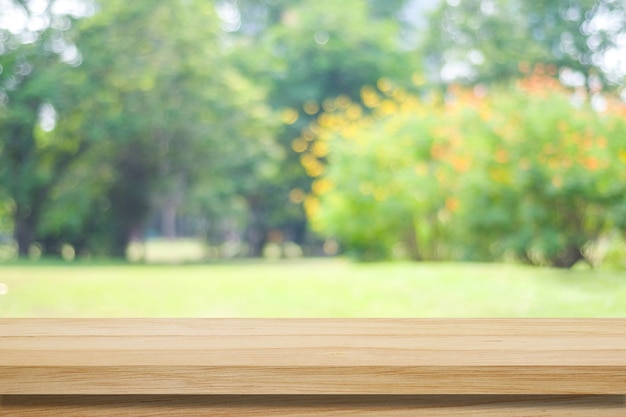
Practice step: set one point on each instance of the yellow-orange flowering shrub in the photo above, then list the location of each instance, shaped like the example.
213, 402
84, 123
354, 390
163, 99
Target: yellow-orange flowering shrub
531, 170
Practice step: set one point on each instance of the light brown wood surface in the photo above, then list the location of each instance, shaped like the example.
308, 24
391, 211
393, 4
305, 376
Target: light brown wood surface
300, 356
485, 367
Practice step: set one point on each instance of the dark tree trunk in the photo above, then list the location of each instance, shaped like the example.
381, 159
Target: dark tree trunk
168, 220
24, 230
412, 245
256, 233
120, 241
129, 196
568, 257
128, 215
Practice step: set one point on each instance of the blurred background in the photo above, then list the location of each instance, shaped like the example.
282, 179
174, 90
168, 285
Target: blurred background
312, 158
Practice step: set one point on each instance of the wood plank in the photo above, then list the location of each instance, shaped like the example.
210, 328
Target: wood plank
529, 343
297, 380
312, 356
310, 405
315, 327
304, 357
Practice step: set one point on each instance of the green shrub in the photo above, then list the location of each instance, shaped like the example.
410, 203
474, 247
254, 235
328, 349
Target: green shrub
518, 172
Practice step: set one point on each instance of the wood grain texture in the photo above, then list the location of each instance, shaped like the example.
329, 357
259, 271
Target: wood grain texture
312, 356
314, 405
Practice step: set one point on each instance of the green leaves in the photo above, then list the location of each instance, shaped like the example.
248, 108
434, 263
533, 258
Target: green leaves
500, 39
517, 172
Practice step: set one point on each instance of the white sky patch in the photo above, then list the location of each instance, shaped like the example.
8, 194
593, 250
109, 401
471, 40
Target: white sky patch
38, 7
37, 23
13, 19
74, 8
16, 20
476, 57
47, 117
453, 71
229, 15
572, 78
598, 103
71, 55
613, 63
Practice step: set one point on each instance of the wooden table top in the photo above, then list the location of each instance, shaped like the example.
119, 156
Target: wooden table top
312, 356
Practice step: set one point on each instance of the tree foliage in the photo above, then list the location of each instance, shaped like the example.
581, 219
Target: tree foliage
483, 175
307, 53
500, 39
158, 115
37, 65
179, 115
123, 119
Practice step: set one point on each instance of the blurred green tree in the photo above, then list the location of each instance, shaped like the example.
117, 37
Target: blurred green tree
147, 96
496, 40
37, 65
175, 114
307, 53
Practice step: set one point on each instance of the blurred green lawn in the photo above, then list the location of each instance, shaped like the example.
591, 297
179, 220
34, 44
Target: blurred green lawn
307, 288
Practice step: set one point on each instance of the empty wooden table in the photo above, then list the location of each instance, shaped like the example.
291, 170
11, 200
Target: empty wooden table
426, 367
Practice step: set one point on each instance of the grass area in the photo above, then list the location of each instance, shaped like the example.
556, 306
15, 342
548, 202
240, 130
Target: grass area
307, 288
